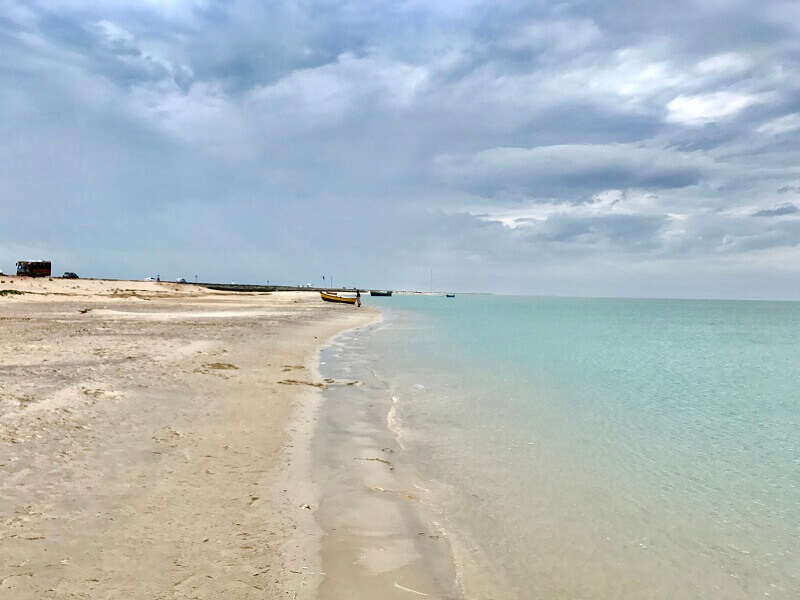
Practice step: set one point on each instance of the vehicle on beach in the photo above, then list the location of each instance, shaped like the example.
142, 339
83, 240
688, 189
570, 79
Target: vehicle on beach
70, 275
380, 292
180, 280
34, 268
333, 297
149, 279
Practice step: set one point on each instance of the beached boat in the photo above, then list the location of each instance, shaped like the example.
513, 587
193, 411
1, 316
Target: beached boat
331, 297
380, 292
450, 295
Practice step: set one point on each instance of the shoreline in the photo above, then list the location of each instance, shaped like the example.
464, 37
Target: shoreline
302, 552
144, 430
376, 536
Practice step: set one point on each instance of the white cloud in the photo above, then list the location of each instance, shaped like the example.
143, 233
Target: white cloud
202, 115
781, 124
162, 8
17, 12
561, 37
637, 75
632, 75
727, 63
604, 203
332, 90
706, 108
114, 32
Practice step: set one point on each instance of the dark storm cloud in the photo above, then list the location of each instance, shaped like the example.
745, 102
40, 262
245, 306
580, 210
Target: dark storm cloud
571, 171
778, 211
480, 138
625, 230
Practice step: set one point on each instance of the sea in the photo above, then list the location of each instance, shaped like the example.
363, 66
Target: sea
599, 448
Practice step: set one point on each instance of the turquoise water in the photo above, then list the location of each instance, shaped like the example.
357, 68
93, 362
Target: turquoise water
602, 448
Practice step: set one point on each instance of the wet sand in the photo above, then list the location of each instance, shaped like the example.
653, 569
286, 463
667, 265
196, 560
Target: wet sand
379, 540
147, 441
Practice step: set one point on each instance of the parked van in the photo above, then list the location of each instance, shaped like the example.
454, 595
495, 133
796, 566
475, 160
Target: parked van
33, 268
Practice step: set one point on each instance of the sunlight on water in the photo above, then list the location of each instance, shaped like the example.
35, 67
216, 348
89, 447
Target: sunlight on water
604, 448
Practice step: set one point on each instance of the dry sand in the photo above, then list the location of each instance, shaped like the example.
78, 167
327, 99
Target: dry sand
145, 440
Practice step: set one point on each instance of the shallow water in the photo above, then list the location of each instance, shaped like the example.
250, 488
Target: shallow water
376, 540
600, 448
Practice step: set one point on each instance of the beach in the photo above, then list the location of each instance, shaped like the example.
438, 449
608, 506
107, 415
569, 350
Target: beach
152, 439
160, 440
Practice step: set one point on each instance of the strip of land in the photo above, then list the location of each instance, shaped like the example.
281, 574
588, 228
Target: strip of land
144, 441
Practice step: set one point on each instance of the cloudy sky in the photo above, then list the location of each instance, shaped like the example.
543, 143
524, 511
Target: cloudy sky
592, 148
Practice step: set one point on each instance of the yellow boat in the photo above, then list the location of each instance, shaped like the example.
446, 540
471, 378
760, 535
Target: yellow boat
329, 297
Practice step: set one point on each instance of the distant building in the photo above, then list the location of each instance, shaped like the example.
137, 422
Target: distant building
34, 268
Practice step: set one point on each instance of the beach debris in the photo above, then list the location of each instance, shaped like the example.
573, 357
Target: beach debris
296, 382
292, 367
356, 383
83, 311
26, 574
92, 393
381, 460
405, 589
306, 506
406, 495
215, 368
25, 399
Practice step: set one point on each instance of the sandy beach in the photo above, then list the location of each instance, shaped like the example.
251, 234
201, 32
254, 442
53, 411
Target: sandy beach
146, 434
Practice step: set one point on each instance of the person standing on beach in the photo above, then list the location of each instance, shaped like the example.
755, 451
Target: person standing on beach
358, 298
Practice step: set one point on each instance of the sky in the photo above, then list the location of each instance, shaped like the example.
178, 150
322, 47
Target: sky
609, 148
